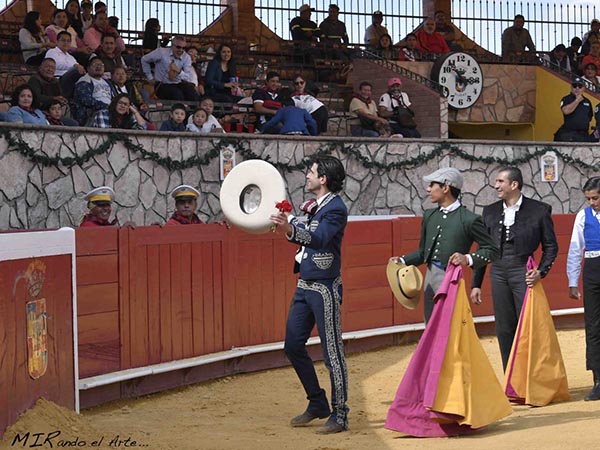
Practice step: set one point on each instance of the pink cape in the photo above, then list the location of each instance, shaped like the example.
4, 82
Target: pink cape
449, 387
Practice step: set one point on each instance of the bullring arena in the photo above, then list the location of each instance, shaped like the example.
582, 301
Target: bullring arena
172, 338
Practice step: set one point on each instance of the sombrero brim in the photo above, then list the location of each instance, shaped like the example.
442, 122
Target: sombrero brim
392, 271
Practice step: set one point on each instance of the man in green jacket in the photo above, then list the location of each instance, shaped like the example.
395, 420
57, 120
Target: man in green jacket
447, 234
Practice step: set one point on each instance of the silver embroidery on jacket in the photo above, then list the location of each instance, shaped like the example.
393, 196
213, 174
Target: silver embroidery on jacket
322, 260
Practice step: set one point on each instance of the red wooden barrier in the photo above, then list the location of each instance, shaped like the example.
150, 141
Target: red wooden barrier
150, 295
28, 300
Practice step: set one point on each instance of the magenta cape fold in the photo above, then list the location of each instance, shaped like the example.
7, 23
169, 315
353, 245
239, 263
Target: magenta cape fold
410, 411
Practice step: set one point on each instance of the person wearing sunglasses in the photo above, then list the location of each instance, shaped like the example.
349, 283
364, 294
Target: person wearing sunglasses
577, 113
172, 68
304, 99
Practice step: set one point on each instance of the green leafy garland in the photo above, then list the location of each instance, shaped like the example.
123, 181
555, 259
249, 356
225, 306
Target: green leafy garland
242, 147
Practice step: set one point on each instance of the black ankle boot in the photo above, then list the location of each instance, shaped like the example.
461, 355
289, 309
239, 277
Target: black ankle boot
595, 392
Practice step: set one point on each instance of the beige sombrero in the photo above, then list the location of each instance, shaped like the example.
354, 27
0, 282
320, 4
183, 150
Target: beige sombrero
406, 283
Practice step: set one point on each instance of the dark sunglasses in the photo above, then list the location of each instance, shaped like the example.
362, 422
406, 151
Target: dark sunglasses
180, 47
299, 82
578, 86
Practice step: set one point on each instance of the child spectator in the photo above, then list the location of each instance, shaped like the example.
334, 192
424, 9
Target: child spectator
199, 118
410, 52
212, 124
293, 120
176, 120
54, 115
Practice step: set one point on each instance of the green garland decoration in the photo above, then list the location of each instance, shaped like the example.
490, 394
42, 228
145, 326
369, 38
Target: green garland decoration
243, 148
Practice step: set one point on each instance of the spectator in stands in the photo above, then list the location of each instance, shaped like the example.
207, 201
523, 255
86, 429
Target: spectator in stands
176, 121
558, 58
590, 75
45, 85
594, 29
195, 71
221, 75
197, 120
577, 113
121, 85
592, 37
305, 100
446, 30
333, 30
573, 53
33, 39
363, 110
171, 71
302, 28
74, 15
376, 30
385, 49
87, 18
113, 22
290, 120
430, 41
212, 124
24, 107
92, 92
60, 22
93, 36
394, 105
266, 100
100, 7
109, 55
120, 114
54, 115
593, 57
515, 39
410, 50
67, 67
186, 204
151, 40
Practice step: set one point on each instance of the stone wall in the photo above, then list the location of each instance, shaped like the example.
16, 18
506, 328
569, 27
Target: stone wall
34, 196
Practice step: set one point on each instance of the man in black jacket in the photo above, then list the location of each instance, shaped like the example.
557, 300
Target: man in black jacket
518, 225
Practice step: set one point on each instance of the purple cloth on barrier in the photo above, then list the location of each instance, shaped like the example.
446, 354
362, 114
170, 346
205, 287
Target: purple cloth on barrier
409, 412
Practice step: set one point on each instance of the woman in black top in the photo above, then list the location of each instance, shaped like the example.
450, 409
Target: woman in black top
151, 38
219, 73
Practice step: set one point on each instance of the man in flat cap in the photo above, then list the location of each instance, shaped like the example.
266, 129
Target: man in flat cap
376, 30
447, 233
186, 203
302, 28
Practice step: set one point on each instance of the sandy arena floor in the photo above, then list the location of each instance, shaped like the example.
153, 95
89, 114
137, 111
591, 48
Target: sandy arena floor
252, 411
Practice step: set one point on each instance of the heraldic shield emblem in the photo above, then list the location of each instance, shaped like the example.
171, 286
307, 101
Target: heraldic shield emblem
37, 330
37, 338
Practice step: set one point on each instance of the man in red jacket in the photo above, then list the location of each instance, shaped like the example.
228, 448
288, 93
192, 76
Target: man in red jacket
429, 40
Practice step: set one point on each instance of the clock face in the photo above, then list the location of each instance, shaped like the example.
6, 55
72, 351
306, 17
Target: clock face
461, 77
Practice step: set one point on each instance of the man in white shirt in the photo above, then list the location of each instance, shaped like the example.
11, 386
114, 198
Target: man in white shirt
585, 242
67, 67
518, 225
393, 104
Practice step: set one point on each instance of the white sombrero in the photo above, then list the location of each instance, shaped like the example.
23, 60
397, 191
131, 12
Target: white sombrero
249, 195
